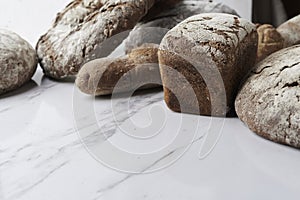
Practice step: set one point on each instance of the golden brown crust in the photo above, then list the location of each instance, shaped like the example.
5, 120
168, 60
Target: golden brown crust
269, 41
107, 75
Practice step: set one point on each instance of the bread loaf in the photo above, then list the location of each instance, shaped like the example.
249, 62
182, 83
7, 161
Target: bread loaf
103, 76
269, 101
18, 61
81, 27
213, 51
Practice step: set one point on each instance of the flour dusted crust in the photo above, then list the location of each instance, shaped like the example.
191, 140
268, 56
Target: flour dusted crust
18, 61
139, 68
81, 27
211, 42
155, 26
290, 31
269, 101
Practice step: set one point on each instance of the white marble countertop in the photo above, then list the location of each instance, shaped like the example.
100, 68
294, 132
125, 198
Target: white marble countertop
58, 144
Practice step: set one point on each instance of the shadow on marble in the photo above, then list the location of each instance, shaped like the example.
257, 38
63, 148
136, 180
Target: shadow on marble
142, 92
65, 80
23, 89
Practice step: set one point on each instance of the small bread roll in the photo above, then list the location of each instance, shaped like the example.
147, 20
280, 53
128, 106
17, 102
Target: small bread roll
269, 41
103, 76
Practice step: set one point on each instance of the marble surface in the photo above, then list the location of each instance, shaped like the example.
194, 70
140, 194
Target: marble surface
57, 144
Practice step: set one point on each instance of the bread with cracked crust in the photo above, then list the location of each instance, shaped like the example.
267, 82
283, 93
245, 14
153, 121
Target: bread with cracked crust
81, 28
269, 101
213, 51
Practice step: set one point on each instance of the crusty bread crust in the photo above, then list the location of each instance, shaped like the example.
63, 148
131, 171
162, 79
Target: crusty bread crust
269, 101
139, 68
18, 61
213, 51
81, 27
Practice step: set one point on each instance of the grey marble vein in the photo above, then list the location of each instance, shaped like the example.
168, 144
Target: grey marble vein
37, 182
108, 123
110, 187
13, 102
5, 109
60, 146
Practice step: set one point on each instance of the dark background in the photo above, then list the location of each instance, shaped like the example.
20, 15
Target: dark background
266, 11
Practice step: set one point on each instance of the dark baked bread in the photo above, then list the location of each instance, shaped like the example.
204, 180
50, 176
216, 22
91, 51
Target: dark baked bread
103, 76
269, 41
213, 52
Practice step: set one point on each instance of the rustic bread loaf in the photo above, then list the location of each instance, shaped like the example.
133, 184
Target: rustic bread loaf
269, 41
213, 51
269, 101
81, 27
18, 61
107, 75
154, 26
290, 31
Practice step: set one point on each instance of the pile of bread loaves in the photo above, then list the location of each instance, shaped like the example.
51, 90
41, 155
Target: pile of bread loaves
208, 59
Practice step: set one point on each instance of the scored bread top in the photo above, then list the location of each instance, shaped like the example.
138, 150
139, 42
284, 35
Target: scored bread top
210, 27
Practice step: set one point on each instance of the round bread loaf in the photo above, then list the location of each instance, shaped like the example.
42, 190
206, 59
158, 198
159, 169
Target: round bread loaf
269, 101
154, 26
213, 51
18, 61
